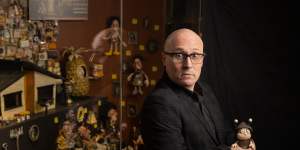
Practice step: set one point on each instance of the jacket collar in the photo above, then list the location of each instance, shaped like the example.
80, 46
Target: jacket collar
180, 91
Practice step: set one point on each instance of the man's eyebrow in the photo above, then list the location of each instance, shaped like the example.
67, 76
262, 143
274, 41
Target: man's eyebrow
177, 50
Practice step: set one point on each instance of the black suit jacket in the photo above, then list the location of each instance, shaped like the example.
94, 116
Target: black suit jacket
170, 121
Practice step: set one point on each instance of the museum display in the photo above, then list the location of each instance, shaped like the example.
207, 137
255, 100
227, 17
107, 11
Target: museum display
48, 83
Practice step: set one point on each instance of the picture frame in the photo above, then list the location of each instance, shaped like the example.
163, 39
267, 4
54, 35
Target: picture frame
116, 88
58, 10
43, 56
132, 37
152, 46
131, 111
146, 22
2, 52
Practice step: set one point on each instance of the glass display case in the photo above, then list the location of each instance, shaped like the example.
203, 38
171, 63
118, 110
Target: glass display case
79, 52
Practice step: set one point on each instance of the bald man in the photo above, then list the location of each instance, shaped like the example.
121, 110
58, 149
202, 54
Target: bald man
180, 114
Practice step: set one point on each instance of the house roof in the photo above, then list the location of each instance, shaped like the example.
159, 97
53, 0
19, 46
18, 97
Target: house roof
8, 77
12, 70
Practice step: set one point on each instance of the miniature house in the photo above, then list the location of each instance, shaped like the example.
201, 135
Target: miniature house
26, 87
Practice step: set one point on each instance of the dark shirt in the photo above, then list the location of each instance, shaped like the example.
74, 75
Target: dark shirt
175, 118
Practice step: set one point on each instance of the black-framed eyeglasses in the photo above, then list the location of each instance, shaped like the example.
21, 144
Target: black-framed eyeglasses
196, 58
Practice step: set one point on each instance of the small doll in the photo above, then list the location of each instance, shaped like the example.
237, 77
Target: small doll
112, 34
138, 78
244, 139
66, 137
137, 138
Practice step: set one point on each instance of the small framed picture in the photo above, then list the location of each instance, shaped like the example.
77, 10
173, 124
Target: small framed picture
11, 51
132, 37
2, 52
43, 55
131, 111
146, 22
116, 89
54, 54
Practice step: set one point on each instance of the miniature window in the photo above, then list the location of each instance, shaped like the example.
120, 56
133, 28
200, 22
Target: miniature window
45, 94
12, 100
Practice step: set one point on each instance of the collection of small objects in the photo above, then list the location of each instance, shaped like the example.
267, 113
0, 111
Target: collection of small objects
27, 40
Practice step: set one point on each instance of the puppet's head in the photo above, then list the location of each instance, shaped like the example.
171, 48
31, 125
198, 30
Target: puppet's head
244, 130
137, 63
113, 22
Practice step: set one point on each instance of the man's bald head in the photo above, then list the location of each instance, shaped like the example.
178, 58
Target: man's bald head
179, 34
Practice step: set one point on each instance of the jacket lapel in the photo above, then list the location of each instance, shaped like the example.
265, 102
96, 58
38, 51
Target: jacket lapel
213, 114
196, 112
188, 104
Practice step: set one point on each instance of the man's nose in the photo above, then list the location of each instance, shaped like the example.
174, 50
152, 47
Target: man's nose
187, 62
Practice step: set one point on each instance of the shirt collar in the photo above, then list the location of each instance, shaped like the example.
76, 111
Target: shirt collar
179, 89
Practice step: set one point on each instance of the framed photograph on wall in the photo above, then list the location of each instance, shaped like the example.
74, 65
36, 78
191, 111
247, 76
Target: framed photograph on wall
131, 110
2, 52
58, 9
132, 37
116, 88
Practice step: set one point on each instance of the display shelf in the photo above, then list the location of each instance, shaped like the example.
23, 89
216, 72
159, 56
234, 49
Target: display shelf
48, 126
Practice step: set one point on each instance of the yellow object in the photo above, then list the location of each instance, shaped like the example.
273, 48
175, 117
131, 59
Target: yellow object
24, 113
95, 126
56, 120
98, 70
123, 103
99, 103
52, 45
80, 113
114, 76
156, 27
128, 53
141, 47
134, 21
91, 118
152, 82
154, 69
77, 73
109, 53
116, 52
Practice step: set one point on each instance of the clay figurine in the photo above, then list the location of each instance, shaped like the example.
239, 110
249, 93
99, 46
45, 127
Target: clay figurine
138, 78
244, 137
111, 34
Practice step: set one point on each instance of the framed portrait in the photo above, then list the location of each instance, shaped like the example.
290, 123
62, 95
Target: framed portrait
131, 110
132, 37
116, 88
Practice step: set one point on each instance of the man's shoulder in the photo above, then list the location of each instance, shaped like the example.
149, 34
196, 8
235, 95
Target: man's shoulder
162, 92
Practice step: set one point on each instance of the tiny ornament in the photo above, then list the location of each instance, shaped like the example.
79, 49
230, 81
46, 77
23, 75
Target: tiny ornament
76, 73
